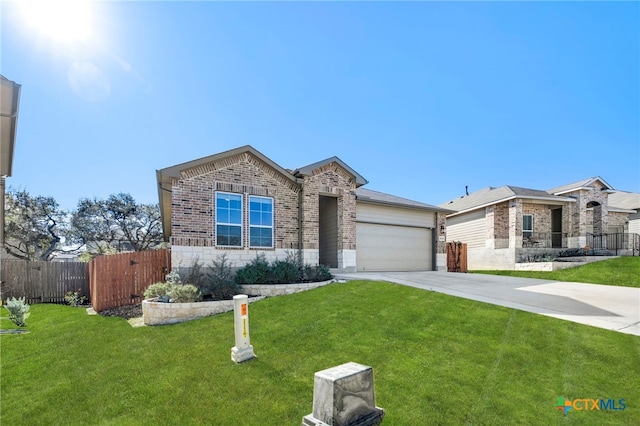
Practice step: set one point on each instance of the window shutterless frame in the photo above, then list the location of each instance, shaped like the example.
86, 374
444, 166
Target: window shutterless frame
229, 219
527, 226
260, 222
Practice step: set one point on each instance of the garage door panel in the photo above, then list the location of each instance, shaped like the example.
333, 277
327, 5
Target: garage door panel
392, 248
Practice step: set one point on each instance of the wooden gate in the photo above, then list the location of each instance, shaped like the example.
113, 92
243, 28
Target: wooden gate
456, 257
121, 279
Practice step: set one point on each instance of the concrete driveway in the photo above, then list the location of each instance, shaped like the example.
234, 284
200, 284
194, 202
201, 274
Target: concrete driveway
609, 307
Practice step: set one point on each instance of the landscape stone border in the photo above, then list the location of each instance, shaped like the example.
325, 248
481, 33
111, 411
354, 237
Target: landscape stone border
160, 313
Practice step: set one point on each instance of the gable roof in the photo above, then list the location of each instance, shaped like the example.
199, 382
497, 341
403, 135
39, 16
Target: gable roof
624, 200
488, 196
582, 184
164, 176
375, 197
308, 170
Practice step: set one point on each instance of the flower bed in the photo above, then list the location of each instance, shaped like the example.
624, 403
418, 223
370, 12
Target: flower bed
160, 313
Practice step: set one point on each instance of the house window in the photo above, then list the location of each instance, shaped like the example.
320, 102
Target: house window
228, 219
527, 226
260, 221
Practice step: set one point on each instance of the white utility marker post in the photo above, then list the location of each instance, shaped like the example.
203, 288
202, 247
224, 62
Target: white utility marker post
242, 351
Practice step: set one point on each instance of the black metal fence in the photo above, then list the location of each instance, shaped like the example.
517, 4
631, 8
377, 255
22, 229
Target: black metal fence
615, 242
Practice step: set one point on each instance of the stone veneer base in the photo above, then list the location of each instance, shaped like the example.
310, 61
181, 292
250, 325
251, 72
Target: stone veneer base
160, 313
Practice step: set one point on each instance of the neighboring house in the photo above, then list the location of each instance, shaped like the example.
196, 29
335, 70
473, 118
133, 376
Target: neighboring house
503, 225
241, 203
9, 106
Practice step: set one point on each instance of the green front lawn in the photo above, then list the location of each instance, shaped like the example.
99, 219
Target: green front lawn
436, 359
621, 271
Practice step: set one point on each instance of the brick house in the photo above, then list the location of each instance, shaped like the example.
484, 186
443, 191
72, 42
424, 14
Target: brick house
241, 203
503, 225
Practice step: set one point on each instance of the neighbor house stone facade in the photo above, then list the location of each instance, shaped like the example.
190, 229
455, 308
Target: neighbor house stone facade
491, 222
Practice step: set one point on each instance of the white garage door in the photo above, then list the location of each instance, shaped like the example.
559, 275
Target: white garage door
392, 248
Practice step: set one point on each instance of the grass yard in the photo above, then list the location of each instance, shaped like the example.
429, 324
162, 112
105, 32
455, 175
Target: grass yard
437, 360
621, 271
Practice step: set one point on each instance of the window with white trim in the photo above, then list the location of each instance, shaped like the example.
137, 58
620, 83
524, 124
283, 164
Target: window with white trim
228, 219
527, 226
260, 221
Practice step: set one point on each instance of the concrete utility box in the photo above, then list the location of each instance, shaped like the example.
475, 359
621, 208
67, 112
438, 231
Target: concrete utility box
344, 396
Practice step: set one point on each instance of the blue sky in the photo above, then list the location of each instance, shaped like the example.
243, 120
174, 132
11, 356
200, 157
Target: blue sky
420, 98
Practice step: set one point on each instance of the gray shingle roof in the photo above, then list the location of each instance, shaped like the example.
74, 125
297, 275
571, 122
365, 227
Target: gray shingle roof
579, 184
369, 195
490, 195
624, 200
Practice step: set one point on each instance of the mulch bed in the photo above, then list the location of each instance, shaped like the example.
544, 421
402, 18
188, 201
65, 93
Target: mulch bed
126, 312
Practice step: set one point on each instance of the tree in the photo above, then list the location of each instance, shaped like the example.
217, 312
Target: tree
35, 227
117, 223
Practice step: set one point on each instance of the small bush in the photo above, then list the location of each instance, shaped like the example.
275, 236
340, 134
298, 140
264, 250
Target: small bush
184, 293
317, 273
75, 298
283, 272
289, 270
221, 285
256, 272
18, 311
173, 277
170, 292
159, 291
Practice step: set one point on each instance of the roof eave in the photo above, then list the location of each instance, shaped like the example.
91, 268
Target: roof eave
513, 197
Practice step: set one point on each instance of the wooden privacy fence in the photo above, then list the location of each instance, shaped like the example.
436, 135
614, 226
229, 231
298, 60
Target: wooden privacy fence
42, 282
456, 257
121, 279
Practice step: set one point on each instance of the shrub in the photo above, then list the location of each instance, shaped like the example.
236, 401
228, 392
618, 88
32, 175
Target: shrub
283, 271
221, 285
171, 292
256, 272
194, 275
74, 298
159, 291
173, 277
316, 273
18, 311
184, 293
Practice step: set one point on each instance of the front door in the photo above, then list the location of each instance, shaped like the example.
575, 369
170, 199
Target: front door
328, 231
556, 228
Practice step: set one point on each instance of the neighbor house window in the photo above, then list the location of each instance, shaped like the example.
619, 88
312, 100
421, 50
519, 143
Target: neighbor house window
527, 226
260, 221
228, 219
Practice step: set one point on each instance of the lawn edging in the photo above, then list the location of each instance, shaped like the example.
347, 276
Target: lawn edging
560, 264
280, 289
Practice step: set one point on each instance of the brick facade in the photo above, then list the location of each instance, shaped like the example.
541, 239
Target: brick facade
314, 209
296, 210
